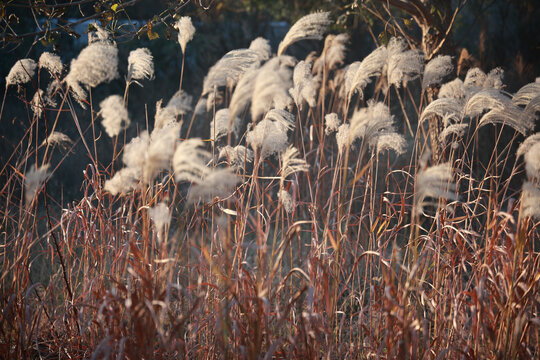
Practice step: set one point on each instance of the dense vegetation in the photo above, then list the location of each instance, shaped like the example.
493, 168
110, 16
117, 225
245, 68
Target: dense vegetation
298, 202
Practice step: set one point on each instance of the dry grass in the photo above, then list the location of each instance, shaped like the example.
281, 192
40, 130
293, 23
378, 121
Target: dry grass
354, 270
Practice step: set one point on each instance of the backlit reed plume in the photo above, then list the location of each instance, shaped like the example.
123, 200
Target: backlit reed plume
236, 156
500, 108
526, 93
37, 104
114, 114
33, 180
436, 70
309, 27
272, 83
268, 138
305, 86
96, 64
434, 182
221, 125
241, 97
51, 62
59, 139
216, 183
530, 200
532, 162
448, 107
404, 67
229, 68
140, 65
190, 159
333, 54
332, 123
342, 137
161, 218
186, 31
179, 104
526, 145
374, 124
262, 47
21, 73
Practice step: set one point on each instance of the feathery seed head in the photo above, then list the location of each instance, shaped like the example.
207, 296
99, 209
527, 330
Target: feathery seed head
436, 70
332, 122
530, 200
262, 47
286, 200
56, 138
114, 114
21, 73
269, 137
216, 183
186, 31
123, 181
434, 182
236, 156
51, 62
309, 27
342, 137
305, 87
140, 65
161, 217
532, 161
222, 124
33, 179
189, 160
527, 144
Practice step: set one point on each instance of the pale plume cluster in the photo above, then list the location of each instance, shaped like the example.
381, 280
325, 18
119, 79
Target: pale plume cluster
270, 89
222, 124
530, 200
38, 103
530, 194
268, 138
59, 139
436, 70
145, 156
332, 123
286, 200
305, 86
229, 69
114, 114
96, 64
262, 47
21, 73
333, 54
186, 31
161, 217
434, 182
236, 156
375, 126
51, 62
342, 137
216, 183
179, 104
140, 65
190, 159
309, 27
33, 180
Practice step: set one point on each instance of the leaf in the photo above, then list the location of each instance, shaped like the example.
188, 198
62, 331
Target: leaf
151, 35
114, 7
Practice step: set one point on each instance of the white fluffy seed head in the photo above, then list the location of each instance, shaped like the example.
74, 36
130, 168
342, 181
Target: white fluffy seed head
21, 73
342, 137
433, 182
222, 124
405, 66
269, 137
123, 181
56, 138
309, 27
236, 156
96, 64
527, 144
51, 62
532, 161
305, 86
160, 151
189, 160
161, 217
262, 47
33, 179
114, 114
140, 65
216, 183
186, 31
436, 70
530, 200
286, 200
332, 123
